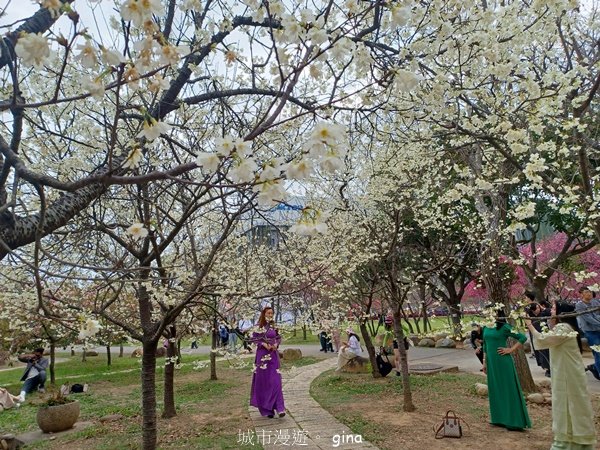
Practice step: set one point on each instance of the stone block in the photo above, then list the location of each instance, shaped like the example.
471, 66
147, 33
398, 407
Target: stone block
439, 336
535, 398
481, 389
426, 343
445, 343
292, 354
356, 365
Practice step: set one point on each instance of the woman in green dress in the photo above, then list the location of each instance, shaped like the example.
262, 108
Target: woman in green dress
507, 404
572, 413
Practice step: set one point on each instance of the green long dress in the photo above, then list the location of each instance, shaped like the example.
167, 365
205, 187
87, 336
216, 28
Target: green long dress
507, 404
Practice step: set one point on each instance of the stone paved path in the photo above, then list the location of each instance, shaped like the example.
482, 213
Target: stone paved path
306, 425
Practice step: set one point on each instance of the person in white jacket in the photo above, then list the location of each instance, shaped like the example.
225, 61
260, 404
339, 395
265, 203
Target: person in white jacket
349, 350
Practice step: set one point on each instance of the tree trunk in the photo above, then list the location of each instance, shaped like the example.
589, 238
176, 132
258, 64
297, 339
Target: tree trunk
370, 349
83, 354
108, 355
523, 370
455, 316
407, 404
149, 396
52, 361
121, 350
72, 351
539, 287
295, 320
213, 352
304, 332
169, 391
426, 324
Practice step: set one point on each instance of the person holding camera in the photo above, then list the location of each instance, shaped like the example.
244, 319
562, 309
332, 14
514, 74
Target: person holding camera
535, 311
34, 376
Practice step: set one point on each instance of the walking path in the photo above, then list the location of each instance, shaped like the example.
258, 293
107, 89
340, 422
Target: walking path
306, 423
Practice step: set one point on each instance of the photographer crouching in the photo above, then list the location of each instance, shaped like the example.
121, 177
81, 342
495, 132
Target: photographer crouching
34, 376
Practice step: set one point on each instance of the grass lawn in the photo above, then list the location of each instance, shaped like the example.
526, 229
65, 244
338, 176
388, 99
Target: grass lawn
373, 409
210, 413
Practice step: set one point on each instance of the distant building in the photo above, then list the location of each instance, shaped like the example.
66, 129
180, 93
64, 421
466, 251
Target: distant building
266, 228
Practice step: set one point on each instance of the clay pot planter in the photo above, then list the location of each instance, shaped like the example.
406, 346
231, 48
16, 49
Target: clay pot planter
52, 419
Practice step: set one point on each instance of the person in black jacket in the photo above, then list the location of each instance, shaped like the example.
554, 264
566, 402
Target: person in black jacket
535, 310
477, 341
35, 372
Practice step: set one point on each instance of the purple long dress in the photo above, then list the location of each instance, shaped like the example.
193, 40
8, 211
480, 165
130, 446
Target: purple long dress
266, 393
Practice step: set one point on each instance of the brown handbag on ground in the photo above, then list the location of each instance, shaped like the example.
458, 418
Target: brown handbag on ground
451, 426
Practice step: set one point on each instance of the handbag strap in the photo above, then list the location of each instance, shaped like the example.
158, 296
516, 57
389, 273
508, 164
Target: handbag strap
454, 416
439, 433
383, 354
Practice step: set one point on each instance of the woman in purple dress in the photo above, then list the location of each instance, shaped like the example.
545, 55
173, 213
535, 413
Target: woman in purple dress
266, 393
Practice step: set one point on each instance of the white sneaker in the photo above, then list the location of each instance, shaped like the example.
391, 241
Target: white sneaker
41, 390
21, 398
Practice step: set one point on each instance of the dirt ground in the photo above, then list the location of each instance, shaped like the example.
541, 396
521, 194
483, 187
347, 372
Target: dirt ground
373, 408
414, 431
380, 418
211, 423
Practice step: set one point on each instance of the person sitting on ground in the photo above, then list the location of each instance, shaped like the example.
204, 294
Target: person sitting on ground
34, 376
7, 400
349, 350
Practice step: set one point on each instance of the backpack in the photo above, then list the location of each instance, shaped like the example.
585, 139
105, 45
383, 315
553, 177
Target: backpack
77, 388
224, 333
384, 366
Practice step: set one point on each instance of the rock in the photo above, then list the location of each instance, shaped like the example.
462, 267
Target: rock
481, 389
10, 442
544, 383
161, 352
137, 353
439, 336
112, 418
292, 354
426, 343
414, 339
91, 353
356, 365
445, 343
535, 398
